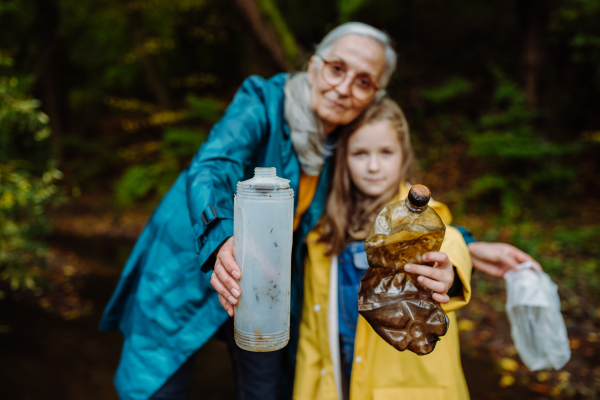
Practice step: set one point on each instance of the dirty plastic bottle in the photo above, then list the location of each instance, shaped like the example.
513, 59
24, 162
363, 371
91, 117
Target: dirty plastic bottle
262, 247
398, 307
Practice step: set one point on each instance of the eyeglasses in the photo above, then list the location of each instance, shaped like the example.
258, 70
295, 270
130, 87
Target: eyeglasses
334, 73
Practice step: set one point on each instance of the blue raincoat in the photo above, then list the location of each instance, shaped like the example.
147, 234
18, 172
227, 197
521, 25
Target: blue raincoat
164, 304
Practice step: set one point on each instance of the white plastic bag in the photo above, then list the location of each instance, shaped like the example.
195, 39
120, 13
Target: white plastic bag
536, 324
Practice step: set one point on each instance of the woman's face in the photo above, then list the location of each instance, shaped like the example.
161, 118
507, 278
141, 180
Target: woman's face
374, 158
364, 57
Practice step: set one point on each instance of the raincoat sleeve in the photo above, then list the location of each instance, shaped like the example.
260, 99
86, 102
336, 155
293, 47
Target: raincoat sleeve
232, 147
457, 251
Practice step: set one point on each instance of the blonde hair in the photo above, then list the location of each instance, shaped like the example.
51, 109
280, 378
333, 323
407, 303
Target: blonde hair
349, 213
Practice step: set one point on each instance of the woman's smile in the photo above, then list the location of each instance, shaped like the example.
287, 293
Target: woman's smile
335, 104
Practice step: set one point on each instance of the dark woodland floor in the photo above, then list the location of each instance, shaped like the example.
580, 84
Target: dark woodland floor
51, 348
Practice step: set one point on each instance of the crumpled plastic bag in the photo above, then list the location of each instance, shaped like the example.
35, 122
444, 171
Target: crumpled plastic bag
536, 324
394, 303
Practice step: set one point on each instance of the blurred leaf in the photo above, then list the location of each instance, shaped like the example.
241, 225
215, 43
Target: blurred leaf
539, 388
182, 142
27, 189
508, 364
135, 183
455, 87
465, 325
270, 10
564, 376
507, 380
206, 109
543, 376
348, 9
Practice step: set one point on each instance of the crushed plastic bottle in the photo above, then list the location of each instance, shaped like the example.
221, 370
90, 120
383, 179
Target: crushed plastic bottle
396, 305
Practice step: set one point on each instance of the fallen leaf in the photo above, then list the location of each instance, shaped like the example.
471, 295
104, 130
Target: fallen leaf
543, 376
69, 270
511, 351
507, 380
574, 344
555, 391
466, 325
563, 376
508, 364
539, 388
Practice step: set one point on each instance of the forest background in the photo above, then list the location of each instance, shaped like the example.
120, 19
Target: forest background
103, 103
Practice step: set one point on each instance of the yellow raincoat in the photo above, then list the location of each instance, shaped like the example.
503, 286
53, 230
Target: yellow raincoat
379, 371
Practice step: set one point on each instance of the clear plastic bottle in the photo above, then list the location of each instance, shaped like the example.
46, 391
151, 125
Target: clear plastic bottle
262, 247
398, 307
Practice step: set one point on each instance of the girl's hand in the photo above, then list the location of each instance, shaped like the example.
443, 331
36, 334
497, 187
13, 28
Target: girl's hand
225, 276
438, 278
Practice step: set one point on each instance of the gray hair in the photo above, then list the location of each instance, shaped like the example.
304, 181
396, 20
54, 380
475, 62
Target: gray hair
306, 130
360, 29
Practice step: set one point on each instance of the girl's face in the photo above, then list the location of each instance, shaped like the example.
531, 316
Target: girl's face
364, 58
375, 158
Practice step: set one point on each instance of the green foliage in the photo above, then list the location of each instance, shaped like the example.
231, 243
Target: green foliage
182, 143
348, 9
27, 188
204, 108
519, 163
455, 87
23, 223
157, 165
140, 180
22, 125
578, 242
567, 250
270, 10
575, 22
570, 255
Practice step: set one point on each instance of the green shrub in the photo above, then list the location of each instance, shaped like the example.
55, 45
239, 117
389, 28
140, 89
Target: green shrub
27, 187
156, 165
520, 166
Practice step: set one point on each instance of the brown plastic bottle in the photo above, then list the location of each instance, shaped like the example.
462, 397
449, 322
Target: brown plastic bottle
397, 306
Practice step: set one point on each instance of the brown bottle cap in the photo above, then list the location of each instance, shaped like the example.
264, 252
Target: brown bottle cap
419, 195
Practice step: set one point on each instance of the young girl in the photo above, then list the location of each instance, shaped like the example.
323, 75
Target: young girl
339, 354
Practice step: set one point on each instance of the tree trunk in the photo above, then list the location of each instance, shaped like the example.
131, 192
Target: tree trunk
533, 16
270, 31
149, 64
50, 72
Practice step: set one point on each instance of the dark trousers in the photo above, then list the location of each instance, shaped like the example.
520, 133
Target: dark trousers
257, 375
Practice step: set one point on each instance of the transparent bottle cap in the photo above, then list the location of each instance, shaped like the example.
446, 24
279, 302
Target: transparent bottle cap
264, 178
265, 183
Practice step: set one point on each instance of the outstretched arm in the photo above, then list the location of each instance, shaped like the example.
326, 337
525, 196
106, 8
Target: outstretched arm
233, 147
496, 258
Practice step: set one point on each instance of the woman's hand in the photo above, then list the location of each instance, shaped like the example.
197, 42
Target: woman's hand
225, 276
496, 258
438, 278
